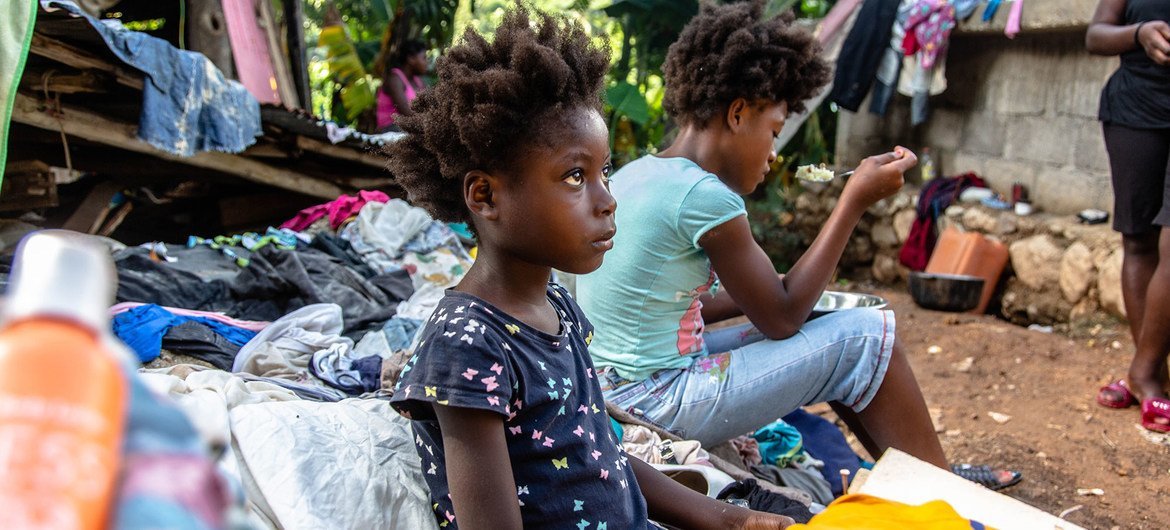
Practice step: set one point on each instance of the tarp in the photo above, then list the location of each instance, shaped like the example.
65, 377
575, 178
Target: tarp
16, 28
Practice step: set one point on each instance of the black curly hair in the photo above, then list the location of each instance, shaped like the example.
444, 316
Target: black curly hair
493, 102
730, 51
409, 48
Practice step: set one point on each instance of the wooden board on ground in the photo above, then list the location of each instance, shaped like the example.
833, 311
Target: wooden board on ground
900, 477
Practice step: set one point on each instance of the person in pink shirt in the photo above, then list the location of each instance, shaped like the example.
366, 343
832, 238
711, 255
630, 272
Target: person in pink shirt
401, 84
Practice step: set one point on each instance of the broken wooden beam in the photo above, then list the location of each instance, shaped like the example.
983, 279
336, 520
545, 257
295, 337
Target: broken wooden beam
345, 153
102, 130
68, 54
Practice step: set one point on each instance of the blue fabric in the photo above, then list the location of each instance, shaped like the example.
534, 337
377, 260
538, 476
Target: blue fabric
989, 11
187, 105
965, 8
434, 236
839, 357
400, 332
569, 468
142, 329
824, 441
780, 443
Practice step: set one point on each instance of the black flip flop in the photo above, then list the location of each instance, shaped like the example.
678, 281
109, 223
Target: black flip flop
985, 476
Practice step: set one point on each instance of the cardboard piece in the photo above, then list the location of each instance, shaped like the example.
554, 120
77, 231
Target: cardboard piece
900, 477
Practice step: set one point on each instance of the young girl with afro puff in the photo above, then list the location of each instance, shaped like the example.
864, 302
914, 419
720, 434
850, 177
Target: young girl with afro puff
684, 256
508, 416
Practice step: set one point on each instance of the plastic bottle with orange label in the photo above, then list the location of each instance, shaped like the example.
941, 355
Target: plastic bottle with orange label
63, 392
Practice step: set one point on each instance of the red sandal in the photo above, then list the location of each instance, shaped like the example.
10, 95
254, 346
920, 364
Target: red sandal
1156, 414
1116, 395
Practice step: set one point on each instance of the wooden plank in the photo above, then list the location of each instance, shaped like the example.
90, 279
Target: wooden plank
294, 23
121, 135
284, 82
207, 34
86, 82
78, 58
92, 212
345, 153
250, 49
28, 185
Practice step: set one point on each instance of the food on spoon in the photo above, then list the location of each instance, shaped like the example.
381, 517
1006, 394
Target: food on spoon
817, 173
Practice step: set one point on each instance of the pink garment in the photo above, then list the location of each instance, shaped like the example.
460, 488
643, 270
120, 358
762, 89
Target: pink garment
928, 27
386, 109
1013, 22
251, 325
339, 210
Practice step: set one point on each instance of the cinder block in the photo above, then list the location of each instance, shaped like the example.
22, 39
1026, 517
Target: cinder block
983, 132
1089, 153
944, 131
1021, 80
1048, 140
962, 162
1069, 190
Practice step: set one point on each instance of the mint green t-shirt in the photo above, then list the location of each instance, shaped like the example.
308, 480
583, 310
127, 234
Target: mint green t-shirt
643, 301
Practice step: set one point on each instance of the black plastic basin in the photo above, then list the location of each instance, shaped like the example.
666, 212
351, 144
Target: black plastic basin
946, 292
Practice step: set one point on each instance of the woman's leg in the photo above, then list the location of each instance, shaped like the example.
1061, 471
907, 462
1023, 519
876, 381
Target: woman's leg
897, 416
1147, 372
1138, 161
850, 357
1140, 252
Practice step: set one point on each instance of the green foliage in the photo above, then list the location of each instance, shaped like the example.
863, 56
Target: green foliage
771, 211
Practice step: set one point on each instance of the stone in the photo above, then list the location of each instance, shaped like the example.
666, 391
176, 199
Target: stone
1025, 306
902, 200
883, 235
1077, 272
885, 268
979, 220
1086, 308
859, 252
1035, 261
1109, 284
1006, 224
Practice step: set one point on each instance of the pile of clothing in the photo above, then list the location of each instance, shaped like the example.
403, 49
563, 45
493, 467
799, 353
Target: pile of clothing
318, 304
285, 339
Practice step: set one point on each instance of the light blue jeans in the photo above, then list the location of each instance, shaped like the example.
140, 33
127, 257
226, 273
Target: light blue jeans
750, 381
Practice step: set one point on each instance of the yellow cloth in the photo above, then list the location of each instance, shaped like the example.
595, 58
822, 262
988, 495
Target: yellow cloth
865, 512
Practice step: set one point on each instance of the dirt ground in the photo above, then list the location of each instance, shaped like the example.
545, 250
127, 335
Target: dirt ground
1056, 435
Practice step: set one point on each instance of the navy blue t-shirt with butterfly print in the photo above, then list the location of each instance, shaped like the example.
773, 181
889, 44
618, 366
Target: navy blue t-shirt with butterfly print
570, 472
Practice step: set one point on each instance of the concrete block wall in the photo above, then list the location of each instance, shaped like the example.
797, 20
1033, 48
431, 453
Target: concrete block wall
1022, 110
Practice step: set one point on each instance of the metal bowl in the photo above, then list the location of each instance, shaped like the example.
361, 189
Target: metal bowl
946, 292
833, 301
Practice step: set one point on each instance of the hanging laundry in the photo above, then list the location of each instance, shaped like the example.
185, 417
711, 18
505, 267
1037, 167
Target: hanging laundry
989, 11
862, 52
927, 29
1013, 22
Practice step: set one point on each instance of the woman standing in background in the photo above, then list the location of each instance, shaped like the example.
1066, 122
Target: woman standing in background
1135, 115
401, 84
